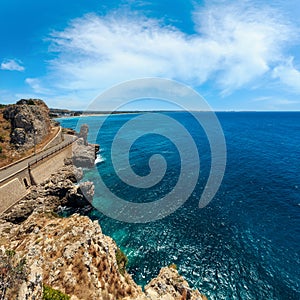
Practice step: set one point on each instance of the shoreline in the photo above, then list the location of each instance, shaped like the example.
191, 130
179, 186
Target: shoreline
76, 240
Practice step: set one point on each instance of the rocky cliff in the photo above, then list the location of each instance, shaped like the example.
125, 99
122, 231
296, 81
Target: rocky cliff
40, 252
73, 256
83, 153
60, 189
30, 122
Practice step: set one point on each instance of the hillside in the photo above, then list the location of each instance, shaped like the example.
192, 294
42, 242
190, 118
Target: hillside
25, 127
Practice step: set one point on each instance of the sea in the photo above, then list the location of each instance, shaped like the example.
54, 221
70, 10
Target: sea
245, 244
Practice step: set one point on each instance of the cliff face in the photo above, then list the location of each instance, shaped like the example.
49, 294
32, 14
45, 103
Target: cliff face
60, 189
71, 255
30, 122
74, 256
83, 154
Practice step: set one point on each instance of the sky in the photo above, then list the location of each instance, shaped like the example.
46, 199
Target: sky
239, 55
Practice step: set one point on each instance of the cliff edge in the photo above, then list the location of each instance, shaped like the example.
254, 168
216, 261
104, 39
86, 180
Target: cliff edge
41, 251
72, 255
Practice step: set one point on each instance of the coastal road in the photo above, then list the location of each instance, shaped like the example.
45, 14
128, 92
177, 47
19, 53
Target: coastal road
7, 172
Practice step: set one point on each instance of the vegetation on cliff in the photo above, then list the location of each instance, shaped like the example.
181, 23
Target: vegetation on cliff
50, 293
73, 256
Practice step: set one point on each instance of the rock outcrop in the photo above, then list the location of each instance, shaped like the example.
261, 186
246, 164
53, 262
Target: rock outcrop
73, 256
170, 285
39, 250
83, 154
61, 189
30, 122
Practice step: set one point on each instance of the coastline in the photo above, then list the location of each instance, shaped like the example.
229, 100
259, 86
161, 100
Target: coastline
32, 226
100, 114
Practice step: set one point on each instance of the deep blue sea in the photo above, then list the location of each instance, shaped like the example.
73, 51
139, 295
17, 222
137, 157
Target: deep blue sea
246, 243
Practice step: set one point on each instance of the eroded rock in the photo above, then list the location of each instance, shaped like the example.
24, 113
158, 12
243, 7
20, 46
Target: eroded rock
83, 155
170, 285
30, 122
74, 256
58, 190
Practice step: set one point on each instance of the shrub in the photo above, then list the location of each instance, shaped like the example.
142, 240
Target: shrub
173, 266
30, 102
0, 149
2, 138
12, 273
51, 294
122, 261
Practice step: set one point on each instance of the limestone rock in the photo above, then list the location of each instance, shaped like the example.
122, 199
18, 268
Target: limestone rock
87, 189
74, 256
59, 190
83, 133
170, 285
83, 155
18, 137
71, 255
30, 122
32, 287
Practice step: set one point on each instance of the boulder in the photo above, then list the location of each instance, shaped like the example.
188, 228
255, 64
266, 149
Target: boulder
83, 155
170, 285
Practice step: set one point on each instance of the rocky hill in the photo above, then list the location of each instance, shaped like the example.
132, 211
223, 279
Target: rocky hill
30, 122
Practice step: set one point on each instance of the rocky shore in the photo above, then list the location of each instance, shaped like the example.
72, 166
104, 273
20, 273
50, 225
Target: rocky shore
42, 253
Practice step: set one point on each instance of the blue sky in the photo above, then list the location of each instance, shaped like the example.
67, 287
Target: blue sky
239, 55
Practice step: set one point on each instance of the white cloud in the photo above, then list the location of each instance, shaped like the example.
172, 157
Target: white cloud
274, 100
250, 41
262, 98
12, 65
234, 46
35, 84
288, 75
275, 103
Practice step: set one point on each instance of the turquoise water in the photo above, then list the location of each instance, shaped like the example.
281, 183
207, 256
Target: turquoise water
246, 243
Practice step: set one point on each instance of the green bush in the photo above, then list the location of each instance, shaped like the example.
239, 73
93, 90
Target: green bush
122, 261
30, 102
0, 149
173, 266
51, 294
2, 138
10, 253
